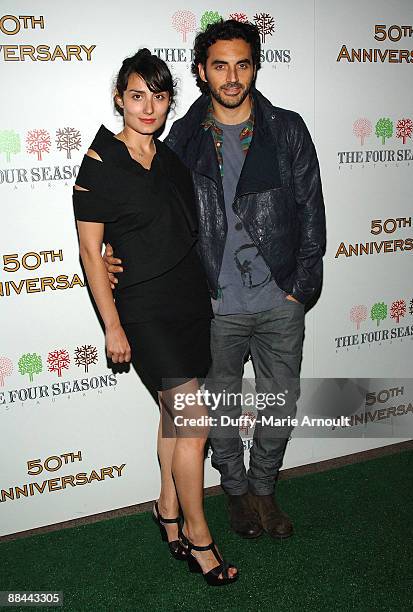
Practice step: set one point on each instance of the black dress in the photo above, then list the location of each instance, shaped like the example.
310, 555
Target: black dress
150, 220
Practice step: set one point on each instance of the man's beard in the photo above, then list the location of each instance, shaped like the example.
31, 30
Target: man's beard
228, 103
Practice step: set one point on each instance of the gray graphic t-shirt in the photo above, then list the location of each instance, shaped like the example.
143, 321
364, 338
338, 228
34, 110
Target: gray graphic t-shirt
245, 282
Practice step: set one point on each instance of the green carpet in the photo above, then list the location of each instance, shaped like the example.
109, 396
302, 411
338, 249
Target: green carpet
352, 550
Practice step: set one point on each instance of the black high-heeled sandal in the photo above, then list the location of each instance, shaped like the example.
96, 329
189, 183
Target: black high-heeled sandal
213, 576
176, 548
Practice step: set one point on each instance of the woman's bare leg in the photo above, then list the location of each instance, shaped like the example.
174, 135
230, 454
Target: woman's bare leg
168, 501
188, 472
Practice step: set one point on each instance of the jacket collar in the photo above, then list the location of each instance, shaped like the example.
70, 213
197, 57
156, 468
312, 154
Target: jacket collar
209, 120
210, 123
200, 154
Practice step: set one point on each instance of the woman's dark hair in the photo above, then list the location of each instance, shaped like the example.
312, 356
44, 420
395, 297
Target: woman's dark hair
224, 30
153, 71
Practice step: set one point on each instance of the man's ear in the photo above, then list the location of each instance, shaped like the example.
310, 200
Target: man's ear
202, 73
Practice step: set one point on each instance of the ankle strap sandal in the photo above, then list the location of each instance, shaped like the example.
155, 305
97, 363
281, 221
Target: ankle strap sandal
177, 550
213, 577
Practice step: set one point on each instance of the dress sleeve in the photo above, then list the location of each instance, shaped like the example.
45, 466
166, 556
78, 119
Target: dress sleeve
100, 203
89, 206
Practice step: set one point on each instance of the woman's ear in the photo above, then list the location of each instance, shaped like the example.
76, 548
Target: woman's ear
118, 99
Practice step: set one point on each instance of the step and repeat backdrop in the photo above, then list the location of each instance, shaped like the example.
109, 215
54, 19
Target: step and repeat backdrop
76, 437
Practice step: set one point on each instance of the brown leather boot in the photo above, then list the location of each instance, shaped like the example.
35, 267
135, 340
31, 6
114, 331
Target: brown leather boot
243, 519
274, 521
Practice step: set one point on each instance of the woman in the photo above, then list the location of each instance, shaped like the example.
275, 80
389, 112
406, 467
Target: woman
133, 192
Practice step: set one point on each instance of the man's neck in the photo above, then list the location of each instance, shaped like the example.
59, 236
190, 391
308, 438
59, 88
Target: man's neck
232, 116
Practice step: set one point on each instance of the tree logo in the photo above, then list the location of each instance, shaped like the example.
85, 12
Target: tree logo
247, 422
30, 364
239, 17
398, 310
9, 143
384, 129
6, 368
362, 129
184, 22
358, 314
68, 139
38, 142
209, 17
58, 360
404, 128
265, 24
85, 356
378, 312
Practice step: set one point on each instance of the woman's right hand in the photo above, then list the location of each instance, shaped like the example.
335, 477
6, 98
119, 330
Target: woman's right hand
117, 345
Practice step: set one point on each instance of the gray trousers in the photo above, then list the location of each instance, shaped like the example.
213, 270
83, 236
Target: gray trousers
274, 340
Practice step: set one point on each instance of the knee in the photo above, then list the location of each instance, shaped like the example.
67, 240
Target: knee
194, 445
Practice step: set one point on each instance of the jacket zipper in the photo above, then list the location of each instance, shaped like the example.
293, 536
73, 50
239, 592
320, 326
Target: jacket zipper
250, 237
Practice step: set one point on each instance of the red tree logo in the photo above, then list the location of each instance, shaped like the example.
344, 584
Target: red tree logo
85, 356
362, 128
358, 314
6, 368
265, 24
58, 360
239, 17
404, 129
398, 310
68, 139
38, 142
184, 22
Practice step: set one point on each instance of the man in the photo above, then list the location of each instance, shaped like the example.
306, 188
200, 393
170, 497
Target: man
261, 239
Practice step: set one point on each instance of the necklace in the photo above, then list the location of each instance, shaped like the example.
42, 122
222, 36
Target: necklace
139, 154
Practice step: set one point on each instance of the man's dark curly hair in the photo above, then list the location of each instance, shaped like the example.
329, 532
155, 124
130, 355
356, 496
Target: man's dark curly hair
224, 30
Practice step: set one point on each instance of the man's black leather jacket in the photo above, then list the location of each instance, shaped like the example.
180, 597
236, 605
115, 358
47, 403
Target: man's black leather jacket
278, 198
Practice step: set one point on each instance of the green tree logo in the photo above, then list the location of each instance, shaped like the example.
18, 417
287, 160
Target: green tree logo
30, 364
384, 129
378, 312
209, 17
9, 143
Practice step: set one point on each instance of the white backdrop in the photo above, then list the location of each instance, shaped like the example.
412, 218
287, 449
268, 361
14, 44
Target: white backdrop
77, 439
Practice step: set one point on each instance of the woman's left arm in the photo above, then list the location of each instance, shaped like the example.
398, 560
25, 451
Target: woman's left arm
90, 239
